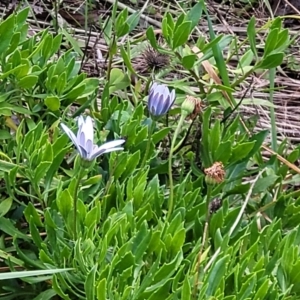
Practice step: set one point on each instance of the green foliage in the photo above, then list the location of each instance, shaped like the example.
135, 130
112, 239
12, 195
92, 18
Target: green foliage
231, 236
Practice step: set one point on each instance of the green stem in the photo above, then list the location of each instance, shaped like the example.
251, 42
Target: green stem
150, 131
208, 196
272, 110
204, 239
75, 199
171, 196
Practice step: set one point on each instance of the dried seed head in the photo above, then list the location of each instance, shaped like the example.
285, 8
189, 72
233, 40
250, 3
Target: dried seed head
151, 60
215, 174
215, 205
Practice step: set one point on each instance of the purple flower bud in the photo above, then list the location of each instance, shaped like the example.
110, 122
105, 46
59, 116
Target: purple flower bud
160, 99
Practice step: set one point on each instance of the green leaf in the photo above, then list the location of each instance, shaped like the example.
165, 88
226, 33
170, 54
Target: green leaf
160, 135
181, 34
247, 287
262, 290
101, 289
118, 81
76, 92
188, 61
252, 35
6, 166
23, 274
262, 184
121, 25
5, 206
271, 42
271, 61
241, 151
46, 295
7, 226
28, 81
6, 32
216, 274
41, 171
126, 59
5, 135
132, 162
30, 212
186, 293
133, 20
35, 234
89, 285
52, 102
151, 37
194, 14
223, 152
64, 203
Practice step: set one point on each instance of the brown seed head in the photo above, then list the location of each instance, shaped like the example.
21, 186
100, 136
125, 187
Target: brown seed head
151, 60
215, 173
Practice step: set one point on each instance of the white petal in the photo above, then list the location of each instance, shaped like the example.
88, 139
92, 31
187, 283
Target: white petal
113, 144
107, 147
80, 125
101, 150
88, 129
80, 121
173, 96
72, 136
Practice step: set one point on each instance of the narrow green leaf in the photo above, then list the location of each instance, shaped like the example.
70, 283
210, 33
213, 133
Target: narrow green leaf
89, 285
22, 274
216, 274
252, 35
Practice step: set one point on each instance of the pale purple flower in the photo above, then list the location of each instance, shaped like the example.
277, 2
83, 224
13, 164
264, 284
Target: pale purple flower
84, 141
160, 99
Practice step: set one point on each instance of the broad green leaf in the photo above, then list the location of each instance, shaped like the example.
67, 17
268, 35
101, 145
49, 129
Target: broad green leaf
262, 184
118, 80
181, 34
52, 102
188, 61
5, 206
6, 33
271, 42
271, 61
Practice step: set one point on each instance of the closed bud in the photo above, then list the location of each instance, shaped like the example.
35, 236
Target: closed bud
191, 107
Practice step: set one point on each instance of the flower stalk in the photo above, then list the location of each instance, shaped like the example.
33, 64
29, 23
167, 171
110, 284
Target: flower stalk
171, 195
75, 199
150, 131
